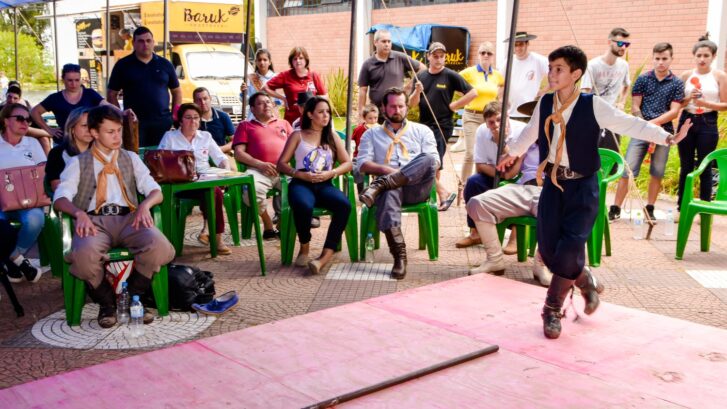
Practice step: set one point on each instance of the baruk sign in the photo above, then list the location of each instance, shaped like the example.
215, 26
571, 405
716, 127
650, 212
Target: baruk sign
219, 16
189, 21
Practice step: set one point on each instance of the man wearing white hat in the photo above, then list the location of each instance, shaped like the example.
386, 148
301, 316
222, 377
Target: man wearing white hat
528, 71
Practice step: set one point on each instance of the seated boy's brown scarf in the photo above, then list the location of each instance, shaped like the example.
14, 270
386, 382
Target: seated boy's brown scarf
109, 168
557, 118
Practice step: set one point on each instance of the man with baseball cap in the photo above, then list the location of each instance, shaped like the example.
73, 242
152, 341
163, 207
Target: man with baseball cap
439, 84
528, 71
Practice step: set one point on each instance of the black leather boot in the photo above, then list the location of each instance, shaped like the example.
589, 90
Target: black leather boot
397, 248
139, 285
387, 182
590, 288
557, 292
105, 297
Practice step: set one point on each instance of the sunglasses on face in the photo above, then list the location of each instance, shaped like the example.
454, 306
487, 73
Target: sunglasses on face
487, 53
20, 118
622, 43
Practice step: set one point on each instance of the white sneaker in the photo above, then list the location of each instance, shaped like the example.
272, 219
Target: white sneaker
541, 272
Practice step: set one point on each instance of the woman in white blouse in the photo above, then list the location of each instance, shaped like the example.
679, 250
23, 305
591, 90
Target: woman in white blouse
188, 137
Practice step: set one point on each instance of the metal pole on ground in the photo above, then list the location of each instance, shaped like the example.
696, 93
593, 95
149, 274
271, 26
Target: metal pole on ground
508, 80
55, 47
404, 378
349, 88
15, 30
247, 56
166, 27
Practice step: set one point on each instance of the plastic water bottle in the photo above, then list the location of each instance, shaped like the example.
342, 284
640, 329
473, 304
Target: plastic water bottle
370, 245
137, 318
122, 305
669, 224
638, 225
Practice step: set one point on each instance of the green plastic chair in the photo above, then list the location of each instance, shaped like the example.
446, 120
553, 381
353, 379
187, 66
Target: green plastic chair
74, 290
48, 241
601, 231
287, 226
428, 218
527, 238
692, 206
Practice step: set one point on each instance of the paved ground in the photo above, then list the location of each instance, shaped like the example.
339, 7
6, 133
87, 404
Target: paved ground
640, 274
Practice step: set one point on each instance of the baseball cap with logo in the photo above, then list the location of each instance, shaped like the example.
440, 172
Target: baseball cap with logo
436, 46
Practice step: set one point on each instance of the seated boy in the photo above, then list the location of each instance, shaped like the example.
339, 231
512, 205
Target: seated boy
567, 126
99, 189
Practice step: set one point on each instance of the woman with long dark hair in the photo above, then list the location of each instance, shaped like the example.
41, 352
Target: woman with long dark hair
705, 89
316, 148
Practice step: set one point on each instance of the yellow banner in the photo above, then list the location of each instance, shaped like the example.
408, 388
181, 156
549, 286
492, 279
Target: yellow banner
193, 17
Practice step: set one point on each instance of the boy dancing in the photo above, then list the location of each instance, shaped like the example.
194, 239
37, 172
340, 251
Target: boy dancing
566, 125
99, 189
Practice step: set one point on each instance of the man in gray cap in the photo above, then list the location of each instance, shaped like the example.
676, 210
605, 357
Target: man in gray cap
528, 71
435, 111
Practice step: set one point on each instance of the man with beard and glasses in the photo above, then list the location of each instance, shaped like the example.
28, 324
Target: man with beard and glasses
403, 155
608, 77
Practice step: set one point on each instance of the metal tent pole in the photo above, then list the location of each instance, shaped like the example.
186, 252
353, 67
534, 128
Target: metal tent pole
55, 47
247, 56
349, 91
107, 29
506, 90
166, 27
15, 30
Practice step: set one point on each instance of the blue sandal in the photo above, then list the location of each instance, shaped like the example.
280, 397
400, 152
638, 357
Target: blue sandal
443, 206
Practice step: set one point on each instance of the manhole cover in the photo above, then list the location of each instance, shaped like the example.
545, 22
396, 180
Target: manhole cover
175, 327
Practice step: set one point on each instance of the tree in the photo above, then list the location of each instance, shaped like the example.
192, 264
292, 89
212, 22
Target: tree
30, 59
28, 21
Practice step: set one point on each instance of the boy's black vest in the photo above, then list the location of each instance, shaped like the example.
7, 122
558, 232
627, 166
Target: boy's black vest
582, 134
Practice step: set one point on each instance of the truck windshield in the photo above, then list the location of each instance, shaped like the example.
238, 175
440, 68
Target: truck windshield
215, 65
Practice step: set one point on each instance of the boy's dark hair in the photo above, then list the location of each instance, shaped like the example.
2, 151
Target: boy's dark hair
104, 112
369, 108
7, 110
253, 98
393, 91
493, 108
14, 89
618, 31
661, 47
704, 41
141, 30
572, 55
198, 90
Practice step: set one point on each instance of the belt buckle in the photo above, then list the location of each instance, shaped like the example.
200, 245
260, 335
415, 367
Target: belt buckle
568, 173
110, 210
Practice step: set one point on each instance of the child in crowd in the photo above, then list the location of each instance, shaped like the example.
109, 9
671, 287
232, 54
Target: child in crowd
99, 189
371, 116
569, 200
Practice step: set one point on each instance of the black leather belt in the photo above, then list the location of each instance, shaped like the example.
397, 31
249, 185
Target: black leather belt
111, 210
562, 173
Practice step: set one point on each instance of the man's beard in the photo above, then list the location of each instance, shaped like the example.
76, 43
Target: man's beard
618, 53
395, 119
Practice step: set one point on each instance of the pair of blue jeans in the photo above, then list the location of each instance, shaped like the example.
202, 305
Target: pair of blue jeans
304, 196
31, 224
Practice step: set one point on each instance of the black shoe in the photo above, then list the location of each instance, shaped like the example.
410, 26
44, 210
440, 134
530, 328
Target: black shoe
31, 273
649, 210
271, 234
315, 222
614, 213
551, 322
14, 273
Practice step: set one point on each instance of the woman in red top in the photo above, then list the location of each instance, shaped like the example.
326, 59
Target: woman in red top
297, 79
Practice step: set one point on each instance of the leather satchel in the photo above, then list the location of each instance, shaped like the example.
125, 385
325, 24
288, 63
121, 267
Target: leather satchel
130, 134
168, 166
22, 188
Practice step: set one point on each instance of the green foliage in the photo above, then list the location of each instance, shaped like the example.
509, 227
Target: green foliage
30, 59
337, 84
28, 21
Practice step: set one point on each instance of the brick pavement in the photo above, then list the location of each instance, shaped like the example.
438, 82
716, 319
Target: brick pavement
640, 274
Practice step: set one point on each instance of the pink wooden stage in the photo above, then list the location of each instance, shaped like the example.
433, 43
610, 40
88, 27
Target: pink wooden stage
618, 358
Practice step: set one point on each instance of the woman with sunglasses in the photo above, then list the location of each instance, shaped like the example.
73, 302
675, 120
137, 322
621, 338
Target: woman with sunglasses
61, 103
76, 139
188, 137
17, 150
705, 90
488, 82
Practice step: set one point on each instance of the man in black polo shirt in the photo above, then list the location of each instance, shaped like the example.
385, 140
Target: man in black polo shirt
146, 78
214, 121
440, 83
383, 70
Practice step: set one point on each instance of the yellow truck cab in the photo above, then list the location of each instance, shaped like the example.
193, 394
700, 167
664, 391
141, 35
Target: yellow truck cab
217, 67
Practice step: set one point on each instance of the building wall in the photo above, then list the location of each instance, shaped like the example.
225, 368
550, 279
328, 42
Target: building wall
326, 36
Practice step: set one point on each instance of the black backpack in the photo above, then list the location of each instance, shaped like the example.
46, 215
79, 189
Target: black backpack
187, 285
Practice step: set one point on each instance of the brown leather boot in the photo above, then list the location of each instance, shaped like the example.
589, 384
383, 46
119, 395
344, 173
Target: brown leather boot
397, 248
387, 182
590, 288
139, 285
104, 296
557, 292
